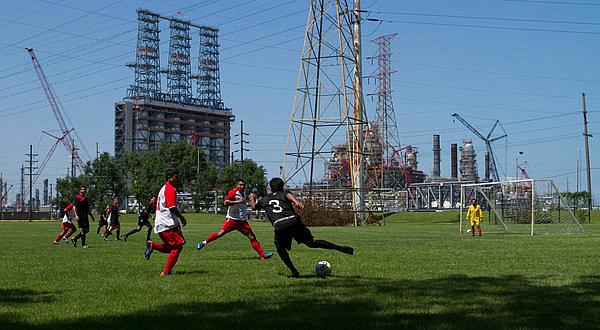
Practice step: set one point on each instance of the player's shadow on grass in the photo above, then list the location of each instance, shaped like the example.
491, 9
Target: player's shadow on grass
450, 302
16, 296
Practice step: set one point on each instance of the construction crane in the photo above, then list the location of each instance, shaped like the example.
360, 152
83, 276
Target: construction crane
523, 170
488, 143
67, 140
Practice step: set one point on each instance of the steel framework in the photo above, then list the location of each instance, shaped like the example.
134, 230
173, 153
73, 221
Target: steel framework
209, 79
179, 73
147, 58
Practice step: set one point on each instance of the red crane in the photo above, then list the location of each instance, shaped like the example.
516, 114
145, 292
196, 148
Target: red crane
67, 139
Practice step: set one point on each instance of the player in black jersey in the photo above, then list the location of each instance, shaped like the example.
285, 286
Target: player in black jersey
144, 219
287, 224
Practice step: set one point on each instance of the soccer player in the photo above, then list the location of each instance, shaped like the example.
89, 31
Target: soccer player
103, 220
236, 220
68, 228
166, 224
113, 221
474, 214
287, 224
144, 219
81, 207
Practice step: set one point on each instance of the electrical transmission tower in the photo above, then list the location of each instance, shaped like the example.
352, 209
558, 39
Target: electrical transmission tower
389, 173
329, 105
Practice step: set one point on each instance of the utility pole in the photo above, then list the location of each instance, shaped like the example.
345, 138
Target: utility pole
587, 159
97, 151
50, 201
73, 157
22, 187
242, 149
31, 168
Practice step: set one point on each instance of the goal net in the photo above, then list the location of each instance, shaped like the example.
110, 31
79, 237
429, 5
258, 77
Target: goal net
532, 206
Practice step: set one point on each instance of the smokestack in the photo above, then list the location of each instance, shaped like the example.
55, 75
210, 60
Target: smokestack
487, 166
436, 155
454, 160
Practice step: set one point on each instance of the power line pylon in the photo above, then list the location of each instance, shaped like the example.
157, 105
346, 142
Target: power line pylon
329, 105
391, 160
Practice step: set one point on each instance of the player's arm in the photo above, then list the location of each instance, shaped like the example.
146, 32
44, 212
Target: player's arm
171, 203
252, 201
75, 212
294, 200
91, 214
230, 199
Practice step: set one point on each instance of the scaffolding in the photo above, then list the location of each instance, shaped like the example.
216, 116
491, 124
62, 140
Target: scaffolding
148, 116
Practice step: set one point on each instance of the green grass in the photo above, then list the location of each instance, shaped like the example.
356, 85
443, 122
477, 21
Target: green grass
415, 272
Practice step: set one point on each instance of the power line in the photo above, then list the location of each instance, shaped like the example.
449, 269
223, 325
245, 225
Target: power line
557, 2
486, 27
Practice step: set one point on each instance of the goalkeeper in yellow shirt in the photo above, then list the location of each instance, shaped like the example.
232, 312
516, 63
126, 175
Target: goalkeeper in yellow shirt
474, 214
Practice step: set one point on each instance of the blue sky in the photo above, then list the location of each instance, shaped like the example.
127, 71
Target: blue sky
522, 62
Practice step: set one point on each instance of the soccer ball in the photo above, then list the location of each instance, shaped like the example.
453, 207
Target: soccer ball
468, 230
323, 268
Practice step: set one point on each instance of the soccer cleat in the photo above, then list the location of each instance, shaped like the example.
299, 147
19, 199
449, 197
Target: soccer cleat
294, 275
125, 238
148, 250
84, 246
347, 250
74, 241
163, 274
201, 245
268, 255
55, 242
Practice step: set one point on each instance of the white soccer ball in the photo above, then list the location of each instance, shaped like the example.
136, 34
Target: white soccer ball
323, 268
468, 230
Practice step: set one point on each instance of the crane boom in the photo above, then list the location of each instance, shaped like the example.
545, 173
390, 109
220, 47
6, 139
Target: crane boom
488, 143
68, 140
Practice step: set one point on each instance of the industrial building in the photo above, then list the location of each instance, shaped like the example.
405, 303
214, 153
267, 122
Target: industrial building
149, 114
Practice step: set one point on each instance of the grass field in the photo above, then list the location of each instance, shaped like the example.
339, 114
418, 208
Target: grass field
414, 272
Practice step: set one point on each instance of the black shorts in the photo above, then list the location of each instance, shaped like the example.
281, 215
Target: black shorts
102, 223
299, 232
83, 222
143, 221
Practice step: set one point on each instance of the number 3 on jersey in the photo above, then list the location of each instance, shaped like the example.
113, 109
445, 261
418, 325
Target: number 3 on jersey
275, 204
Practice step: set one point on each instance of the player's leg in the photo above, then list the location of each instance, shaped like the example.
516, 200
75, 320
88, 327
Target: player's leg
118, 232
84, 230
149, 231
72, 230
283, 242
303, 235
61, 235
478, 228
256, 245
472, 227
131, 232
174, 242
228, 226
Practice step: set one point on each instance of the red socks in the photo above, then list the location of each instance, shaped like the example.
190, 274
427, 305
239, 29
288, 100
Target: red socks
257, 247
479, 228
172, 259
212, 237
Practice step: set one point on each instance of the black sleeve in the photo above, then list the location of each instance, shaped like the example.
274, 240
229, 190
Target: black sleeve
258, 206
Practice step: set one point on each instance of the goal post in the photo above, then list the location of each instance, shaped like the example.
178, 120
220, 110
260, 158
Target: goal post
531, 206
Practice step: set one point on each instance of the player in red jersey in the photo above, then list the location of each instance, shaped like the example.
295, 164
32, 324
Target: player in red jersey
166, 224
81, 207
236, 220
113, 221
68, 228
103, 220
144, 219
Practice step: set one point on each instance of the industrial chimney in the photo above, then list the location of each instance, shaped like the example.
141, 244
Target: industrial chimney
454, 161
436, 155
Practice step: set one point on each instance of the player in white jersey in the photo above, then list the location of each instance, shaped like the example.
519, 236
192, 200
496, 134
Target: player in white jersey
68, 228
167, 224
236, 220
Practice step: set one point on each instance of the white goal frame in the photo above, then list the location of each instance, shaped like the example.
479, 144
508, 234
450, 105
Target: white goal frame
531, 183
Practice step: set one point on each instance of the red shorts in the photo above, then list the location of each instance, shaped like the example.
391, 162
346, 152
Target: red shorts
172, 236
241, 226
68, 226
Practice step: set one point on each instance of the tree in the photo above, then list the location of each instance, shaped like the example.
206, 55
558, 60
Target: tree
68, 188
254, 175
107, 180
